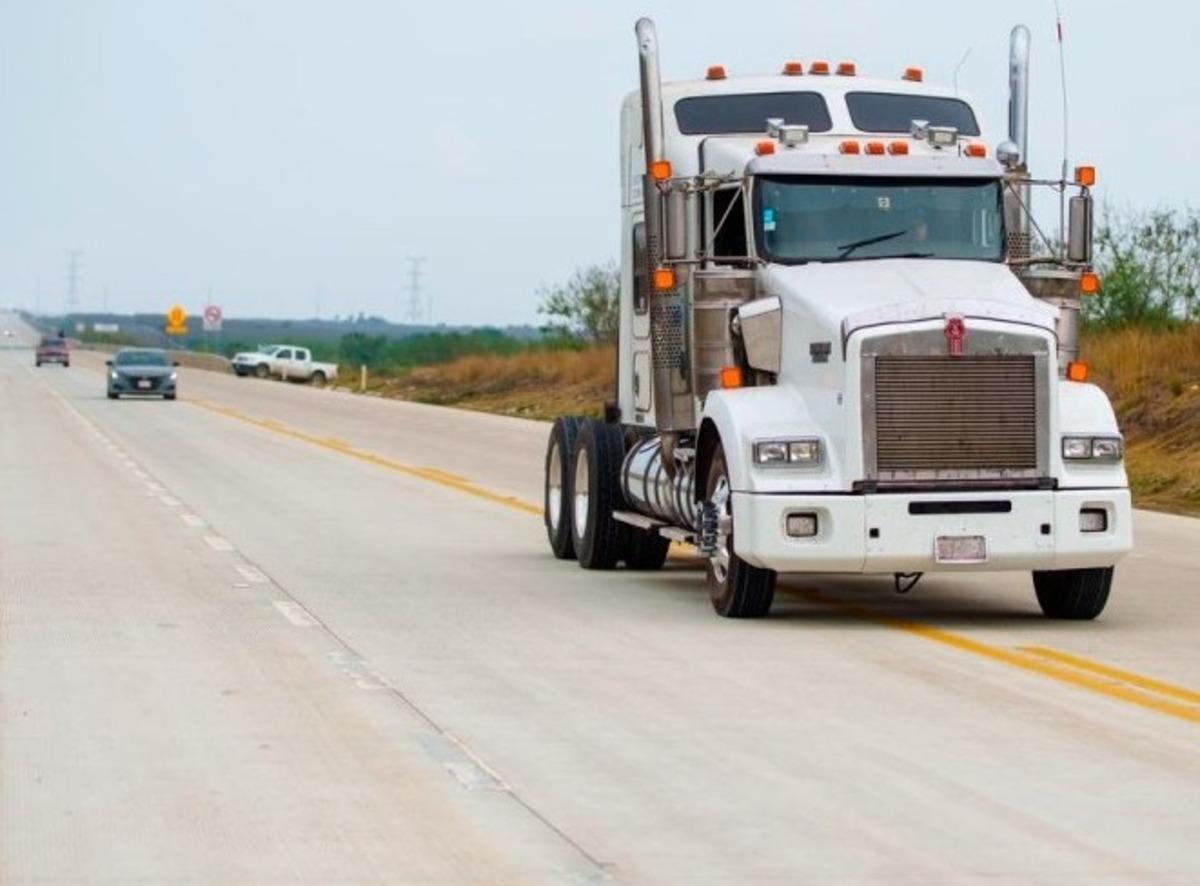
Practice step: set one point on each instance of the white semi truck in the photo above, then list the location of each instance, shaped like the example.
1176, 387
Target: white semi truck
846, 346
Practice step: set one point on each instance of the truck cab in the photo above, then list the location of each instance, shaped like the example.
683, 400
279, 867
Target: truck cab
841, 348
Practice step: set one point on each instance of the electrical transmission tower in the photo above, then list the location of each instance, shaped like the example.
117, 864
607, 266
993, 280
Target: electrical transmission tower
74, 258
416, 307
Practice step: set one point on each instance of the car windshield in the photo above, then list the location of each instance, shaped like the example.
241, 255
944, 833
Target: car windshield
141, 358
268, 349
853, 218
53, 343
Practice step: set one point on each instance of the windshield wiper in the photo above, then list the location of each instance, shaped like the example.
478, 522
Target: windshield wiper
891, 255
870, 241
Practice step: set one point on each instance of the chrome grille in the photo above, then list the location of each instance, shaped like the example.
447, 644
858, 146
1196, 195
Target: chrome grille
940, 416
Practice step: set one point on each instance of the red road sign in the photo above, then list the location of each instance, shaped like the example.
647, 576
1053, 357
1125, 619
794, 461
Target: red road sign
212, 318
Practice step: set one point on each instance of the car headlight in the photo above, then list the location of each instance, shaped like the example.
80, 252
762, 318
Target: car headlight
796, 453
1092, 448
113, 375
174, 376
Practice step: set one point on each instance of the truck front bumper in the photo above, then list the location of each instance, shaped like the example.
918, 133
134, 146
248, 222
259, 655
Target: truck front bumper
886, 533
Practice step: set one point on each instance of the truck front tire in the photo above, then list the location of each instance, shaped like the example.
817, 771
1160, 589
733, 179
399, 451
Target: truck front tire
1076, 594
599, 540
737, 589
262, 370
556, 503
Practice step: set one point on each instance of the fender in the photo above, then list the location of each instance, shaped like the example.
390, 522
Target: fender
1085, 409
736, 418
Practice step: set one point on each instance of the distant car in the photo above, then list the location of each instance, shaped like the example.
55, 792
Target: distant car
142, 371
8, 333
52, 350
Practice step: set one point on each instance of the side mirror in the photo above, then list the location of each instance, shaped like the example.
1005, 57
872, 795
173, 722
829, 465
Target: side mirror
1079, 230
108, 362
174, 362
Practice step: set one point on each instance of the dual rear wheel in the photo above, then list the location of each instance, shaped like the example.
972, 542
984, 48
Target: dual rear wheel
583, 490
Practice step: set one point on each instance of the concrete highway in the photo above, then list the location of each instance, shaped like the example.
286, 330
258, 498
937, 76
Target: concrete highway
273, 634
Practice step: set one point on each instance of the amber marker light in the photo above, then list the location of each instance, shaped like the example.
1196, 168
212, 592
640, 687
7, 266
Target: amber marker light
850, 147
1085, 175
660, 170
1077, 371
1089, 283
664, 279
914, 75
715, 72
731, 377
793, 69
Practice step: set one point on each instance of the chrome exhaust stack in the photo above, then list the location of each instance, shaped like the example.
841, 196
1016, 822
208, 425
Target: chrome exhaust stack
670, 309
1014, 153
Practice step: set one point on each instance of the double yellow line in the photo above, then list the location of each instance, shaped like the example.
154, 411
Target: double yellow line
1073, 670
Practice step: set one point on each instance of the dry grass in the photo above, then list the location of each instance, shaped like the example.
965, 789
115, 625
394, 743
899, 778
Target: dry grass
1153, 379
537, 384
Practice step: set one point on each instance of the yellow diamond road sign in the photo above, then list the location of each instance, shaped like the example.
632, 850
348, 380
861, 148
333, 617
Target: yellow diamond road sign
177, 320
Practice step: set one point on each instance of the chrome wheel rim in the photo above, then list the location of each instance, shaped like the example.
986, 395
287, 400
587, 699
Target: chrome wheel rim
719, 562
581, 493
554, 490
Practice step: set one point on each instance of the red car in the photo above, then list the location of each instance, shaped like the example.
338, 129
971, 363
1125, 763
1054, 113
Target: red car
53, 350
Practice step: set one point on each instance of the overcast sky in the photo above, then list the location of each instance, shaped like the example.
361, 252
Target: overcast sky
280, 151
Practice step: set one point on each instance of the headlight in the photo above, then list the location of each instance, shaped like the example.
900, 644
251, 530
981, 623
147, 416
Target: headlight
174, 376
113, 375
799, 453
1092, 448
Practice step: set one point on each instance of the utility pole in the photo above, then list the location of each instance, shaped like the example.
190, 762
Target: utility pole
415, 305
74, 257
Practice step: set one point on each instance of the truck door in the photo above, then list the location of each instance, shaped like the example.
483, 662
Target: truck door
302, 365
282, 361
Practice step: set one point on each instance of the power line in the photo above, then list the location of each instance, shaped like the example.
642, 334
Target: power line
416, 307
74, 258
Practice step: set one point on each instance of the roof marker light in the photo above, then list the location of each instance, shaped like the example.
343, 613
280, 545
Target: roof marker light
1085, 175
875, 149
715, 72
849, 147
914, 75
763, 148
976, 150
847, 69
793, 69
819, 68
898, 149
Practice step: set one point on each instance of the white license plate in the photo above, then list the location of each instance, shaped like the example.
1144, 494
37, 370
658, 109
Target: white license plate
144, 383
960, 549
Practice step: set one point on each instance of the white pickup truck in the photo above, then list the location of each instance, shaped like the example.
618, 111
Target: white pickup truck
288, 362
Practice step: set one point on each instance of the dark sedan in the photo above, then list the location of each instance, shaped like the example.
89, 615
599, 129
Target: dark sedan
141, 371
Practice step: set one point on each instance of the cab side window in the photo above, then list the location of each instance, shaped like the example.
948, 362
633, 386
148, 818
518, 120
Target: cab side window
641, 285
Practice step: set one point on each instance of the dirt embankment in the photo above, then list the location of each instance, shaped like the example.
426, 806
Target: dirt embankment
1153, 379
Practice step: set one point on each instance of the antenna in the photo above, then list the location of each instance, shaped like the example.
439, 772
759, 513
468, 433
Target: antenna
962, 61
1062, 69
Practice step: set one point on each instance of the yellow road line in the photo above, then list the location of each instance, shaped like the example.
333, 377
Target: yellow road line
1059, 666
1015, 658
1150, 684
432, 475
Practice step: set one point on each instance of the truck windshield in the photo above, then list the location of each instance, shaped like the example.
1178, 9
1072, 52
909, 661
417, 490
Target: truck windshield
802, 219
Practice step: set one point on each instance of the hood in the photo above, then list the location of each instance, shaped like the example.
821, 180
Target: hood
841, 297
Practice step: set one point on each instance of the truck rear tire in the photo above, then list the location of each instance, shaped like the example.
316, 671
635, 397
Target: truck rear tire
737, 589
1076, 594
317, 379
556, 502
600, 541
646, 549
